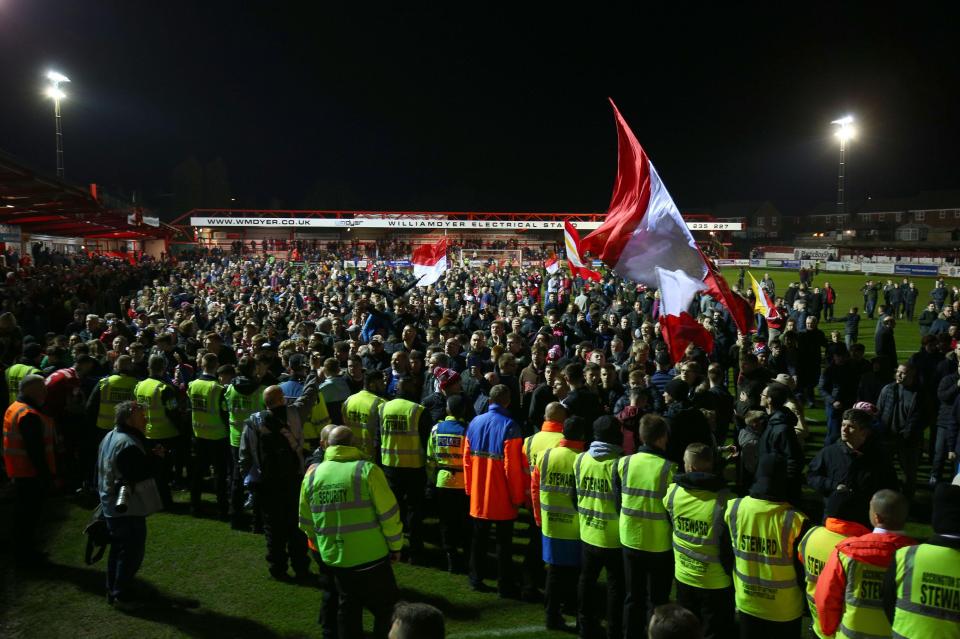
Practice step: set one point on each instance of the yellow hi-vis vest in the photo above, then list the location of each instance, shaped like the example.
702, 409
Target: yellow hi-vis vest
205, 396
113, 390
558, 506
318, 418
534, 445
928, 593
815, 550
149, 393
596, 501
400, 445
764, 578
240, 407
644, 478
360, 412
863, 616
15, 375
697, 517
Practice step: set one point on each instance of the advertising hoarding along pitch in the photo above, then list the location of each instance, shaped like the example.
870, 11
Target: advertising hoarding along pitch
417, 224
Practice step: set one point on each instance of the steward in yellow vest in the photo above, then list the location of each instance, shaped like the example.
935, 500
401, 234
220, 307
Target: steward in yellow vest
553, 493
109, 392
445, 461
160, 401
921, 590
765, 530
848, 594
598, 508
703, 555
361, 410
820, 542
401, 436
28, 365
349, 514
211, 426
642, 479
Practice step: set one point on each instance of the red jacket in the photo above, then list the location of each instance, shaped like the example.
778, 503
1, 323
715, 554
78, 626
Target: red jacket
876, 549
494, 468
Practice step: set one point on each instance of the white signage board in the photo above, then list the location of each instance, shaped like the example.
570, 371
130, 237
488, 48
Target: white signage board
414, 224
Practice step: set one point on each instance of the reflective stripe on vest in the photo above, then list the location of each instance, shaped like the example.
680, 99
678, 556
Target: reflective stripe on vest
863, 616
928, 596
149, 393
643, 517
446, 452
558, 508
763, 534
16, 460
400, 445
205, 395
343, 516
360, 414
113, 390
596, 501
697, 557
240, 407
535, 444
815, 549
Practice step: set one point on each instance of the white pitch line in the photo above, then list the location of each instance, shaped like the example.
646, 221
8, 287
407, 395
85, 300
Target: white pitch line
513, 632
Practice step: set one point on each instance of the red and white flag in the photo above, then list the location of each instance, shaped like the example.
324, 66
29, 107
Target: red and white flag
429, 262
552, 265
643, 228
571, 241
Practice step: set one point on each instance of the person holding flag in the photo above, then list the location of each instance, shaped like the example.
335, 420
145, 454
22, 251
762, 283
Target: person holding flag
571, 240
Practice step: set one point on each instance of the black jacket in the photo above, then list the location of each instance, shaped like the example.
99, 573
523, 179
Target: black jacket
780, 438
864, 471
583, 403
687, 426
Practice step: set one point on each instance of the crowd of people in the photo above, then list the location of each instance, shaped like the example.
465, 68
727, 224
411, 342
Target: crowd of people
334, 411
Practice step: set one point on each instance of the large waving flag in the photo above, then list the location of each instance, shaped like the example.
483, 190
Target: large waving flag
678, 326
763, 304
738, 305
429, 262
571, 240
643, 228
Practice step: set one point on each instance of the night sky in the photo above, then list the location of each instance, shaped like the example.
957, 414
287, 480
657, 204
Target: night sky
481, 109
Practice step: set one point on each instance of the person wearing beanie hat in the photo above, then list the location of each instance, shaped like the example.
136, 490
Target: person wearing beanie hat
857, 463
920, 593
765, 530
445, 463
848, 592
598, 507
29, 364
644, 528
555, 512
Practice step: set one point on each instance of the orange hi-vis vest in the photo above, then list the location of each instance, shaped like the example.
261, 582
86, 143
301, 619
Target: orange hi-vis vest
15, 457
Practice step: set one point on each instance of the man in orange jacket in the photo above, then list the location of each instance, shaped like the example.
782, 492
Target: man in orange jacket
848, 594
496, 481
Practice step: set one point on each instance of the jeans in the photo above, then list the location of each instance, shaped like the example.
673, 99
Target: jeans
755, 628
329, 599
649, 576
596, 559
561, 590
506, 581
128, 541
714, 609
408, 485
369, 586
285, 540
908, 454
834, 418
455, 526
29, 495
940, 454
216, 453
166, 467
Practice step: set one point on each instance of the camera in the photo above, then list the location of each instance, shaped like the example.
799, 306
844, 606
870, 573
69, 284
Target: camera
122, 497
